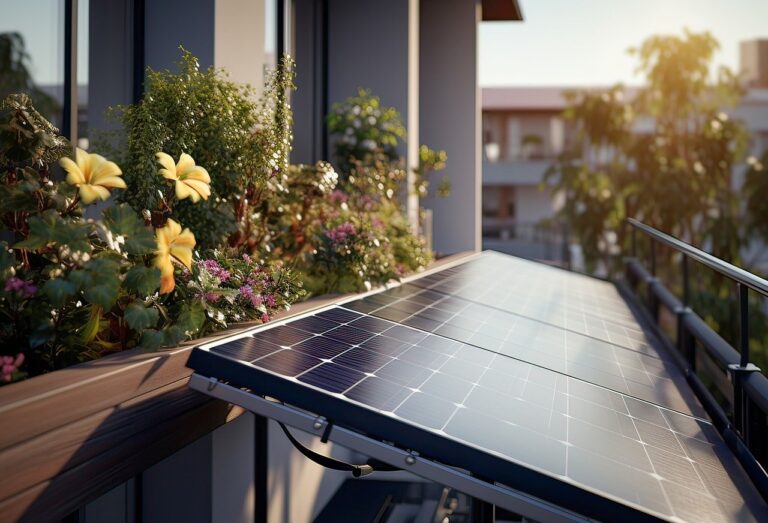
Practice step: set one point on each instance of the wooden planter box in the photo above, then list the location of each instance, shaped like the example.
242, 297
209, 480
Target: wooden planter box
72, 435
69, 436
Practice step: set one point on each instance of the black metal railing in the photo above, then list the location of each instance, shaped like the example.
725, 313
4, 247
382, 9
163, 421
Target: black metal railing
701, 350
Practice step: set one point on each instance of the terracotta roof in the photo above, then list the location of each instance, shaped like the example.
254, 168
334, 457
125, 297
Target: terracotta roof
533, 98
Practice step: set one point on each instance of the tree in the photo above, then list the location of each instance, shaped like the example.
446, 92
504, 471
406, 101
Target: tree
15, 76
666, 157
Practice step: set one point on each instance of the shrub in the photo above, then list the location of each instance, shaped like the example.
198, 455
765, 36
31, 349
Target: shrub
75, 288
241, 141
366, 138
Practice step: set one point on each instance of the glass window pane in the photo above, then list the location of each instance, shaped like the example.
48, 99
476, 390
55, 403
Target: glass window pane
32, 53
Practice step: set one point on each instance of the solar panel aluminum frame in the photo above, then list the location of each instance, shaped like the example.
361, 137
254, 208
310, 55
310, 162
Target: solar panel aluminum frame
345, 413
510, 499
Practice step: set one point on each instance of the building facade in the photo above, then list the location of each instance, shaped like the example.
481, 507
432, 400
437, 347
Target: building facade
524, 131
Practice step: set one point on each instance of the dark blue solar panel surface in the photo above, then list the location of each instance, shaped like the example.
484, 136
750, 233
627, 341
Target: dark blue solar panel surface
539, 366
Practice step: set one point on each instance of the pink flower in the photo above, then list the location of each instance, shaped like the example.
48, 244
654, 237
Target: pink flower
337, 196
246, 258
23, 288
210, 297
341, 233
9, 365
213, 268
246, 291
264, 318
271, 300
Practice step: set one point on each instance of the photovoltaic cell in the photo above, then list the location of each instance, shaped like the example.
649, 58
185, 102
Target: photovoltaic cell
607, 358
536, 366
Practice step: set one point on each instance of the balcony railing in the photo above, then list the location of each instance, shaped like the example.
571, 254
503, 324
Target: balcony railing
711, 364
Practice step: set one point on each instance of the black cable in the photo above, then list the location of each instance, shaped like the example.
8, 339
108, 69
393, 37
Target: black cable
325, 461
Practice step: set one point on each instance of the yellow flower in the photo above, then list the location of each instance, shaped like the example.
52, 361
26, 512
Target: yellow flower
172, 244
93, 174
192, 181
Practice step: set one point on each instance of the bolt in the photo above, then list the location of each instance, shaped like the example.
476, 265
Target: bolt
410, 460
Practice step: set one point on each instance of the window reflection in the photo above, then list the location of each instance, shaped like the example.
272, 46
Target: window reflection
32, 53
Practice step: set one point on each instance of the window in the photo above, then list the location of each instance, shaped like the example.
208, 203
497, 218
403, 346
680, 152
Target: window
514, 138
32, 54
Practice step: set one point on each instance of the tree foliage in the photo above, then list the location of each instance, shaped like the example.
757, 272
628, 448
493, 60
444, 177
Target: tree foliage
665, 157
242, 141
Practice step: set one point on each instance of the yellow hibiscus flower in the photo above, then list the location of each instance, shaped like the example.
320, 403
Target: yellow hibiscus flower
93, 174
192, 181
172, 244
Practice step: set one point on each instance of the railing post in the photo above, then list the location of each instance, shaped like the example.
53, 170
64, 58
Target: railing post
653, 303
566, 246
685, 343
738, 371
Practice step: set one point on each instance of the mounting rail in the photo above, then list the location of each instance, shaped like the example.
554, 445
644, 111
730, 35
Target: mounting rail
505, 497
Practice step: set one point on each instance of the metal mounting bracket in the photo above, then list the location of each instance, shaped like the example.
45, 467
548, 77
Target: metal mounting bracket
508, 498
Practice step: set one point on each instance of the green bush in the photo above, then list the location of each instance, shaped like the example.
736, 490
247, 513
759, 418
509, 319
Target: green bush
75, 288
241, 141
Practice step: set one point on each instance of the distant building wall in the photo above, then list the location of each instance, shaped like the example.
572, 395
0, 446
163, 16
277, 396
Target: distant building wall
753, 59
532, 204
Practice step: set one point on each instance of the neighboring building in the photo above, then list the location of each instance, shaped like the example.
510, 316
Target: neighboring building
754, 62
524, 131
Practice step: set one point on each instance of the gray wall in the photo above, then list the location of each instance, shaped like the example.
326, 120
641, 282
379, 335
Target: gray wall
173, 22
179, 487
110, 73
307, 100
450, 117
368, 47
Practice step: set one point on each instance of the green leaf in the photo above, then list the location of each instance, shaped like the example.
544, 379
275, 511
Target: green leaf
192, 317
75, 236
80, 279
41, 231
173, 335
43, 333
105, 283
140, 317
151, 339
123, 221
7, 260
143, 280
93, 325
59, 290
49, 228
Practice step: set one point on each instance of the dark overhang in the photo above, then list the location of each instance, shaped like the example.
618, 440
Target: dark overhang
502, 11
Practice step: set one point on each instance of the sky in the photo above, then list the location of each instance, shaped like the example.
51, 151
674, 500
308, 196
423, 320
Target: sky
584, 42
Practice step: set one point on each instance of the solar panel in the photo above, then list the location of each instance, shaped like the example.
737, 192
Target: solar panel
586, 414
605, 350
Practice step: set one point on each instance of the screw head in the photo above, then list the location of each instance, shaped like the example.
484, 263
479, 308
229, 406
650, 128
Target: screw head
410, 460
317, 425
